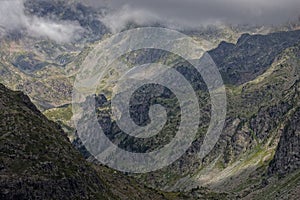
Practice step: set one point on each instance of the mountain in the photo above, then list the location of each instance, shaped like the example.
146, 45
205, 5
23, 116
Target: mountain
38, 162
45, 70
257, 154
251, 55
261, 122
256, 157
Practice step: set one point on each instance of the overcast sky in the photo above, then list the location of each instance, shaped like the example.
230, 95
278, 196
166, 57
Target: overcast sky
172, 13
194, 13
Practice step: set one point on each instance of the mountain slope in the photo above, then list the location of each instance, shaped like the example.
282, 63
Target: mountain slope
252, 55
38, 162
256, 121
262, 121
257, 155
287, 158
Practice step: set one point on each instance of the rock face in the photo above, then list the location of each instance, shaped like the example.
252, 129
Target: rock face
256, 121
252, 55
37, 161
287, 158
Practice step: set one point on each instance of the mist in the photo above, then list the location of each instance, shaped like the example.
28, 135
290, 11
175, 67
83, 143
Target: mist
197, 13
177, 14
12, 17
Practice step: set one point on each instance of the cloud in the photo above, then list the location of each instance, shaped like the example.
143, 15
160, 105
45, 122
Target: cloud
178, 14
118, 20
12, 17
196, 13
59, 32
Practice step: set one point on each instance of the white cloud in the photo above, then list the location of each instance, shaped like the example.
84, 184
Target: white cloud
12, 17
118, 20
196, 13
60, 32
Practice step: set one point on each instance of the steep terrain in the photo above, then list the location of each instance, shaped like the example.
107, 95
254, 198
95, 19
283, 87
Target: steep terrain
256, 157
251, 55
261, 112
286, 159
259, 116
38, 162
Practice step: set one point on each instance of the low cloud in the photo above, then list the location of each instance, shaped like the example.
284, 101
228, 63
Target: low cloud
117, 20
12, 17
178, 14
196, 13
